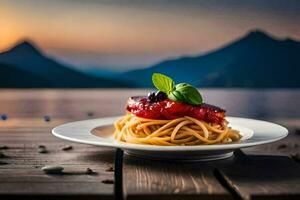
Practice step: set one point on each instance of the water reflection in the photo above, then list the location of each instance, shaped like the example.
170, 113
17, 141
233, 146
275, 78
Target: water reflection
261, 104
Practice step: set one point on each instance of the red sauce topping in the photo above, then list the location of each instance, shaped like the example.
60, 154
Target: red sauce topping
168, 109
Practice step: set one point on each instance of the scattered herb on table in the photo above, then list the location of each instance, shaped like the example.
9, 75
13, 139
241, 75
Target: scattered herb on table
42, 149
89, 171
3, 147
3, 163
110, 169
47, 118
2, 155
282, 146
52, 169
90, 114
67, 148
4, 117
108, 181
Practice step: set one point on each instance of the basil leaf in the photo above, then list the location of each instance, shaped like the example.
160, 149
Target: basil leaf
182, 92
163, 83
180, 86
190, 94
176, 96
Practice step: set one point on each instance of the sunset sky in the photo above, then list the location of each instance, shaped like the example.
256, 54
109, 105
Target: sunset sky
121, 35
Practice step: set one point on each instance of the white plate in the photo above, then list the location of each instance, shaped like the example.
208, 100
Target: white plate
100, 132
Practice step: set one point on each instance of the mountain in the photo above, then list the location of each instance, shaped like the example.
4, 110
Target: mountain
11, 77
27, 58
100, 72
254, 60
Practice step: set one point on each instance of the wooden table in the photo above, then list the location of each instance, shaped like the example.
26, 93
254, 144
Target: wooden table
265, 172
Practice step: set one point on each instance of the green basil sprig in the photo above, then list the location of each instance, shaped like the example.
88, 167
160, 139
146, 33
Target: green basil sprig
181, 92
163, 82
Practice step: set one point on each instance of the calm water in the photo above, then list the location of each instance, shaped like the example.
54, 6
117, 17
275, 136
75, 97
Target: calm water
262, 104
74, 104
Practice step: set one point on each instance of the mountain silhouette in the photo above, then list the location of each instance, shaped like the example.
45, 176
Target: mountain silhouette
12, 77
28, 58
254, 60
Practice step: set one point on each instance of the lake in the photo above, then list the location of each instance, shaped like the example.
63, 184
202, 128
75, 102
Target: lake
259, 104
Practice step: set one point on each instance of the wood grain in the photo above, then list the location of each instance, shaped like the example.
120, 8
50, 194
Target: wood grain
262, 177
146, 179
21, 175
260, 173
26, 129
289, 146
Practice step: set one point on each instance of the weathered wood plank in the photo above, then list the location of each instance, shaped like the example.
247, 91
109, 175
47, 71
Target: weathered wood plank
146, 179
30, 123
263, 173
23, 176
71, 173
104, 158
262, 177
20, 168
289, 146
25, 129
57, 188
55, 197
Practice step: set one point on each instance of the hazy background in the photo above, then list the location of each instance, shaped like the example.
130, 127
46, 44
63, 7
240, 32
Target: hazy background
108, 38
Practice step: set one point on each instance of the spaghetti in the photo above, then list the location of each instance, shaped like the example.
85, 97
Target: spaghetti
180, 131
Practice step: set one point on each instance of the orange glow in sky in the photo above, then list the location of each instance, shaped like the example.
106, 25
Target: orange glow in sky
91, 32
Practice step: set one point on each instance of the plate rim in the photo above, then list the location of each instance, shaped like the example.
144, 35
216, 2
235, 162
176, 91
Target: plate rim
143, 147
